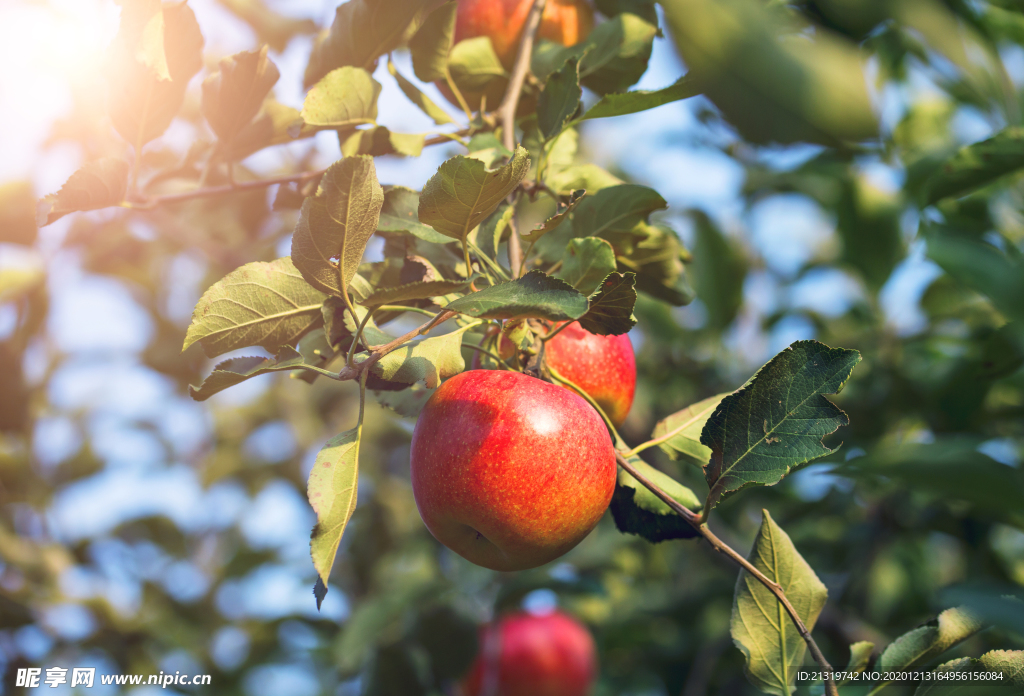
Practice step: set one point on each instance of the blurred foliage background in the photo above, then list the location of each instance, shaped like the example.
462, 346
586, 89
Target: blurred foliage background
140, 531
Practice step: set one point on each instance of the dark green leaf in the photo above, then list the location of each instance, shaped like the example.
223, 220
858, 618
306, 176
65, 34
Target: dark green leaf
778, 419
99, 184
560, 99
772, 86
761, 628
586, 263
463, 192
332, 490
335, 225
718, 272
417, 97
362, 31
265, 304
534, 295
616, 209
233, 95
432, 43
925, 643
17, 213
555, 220
344, 98
611, 306
638, 511
641, 100
981, 267
975, 165
682, 430
658, 260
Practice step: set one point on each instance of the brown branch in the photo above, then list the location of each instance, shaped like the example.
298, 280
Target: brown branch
379, 352
718, 545
507, 111
150, 202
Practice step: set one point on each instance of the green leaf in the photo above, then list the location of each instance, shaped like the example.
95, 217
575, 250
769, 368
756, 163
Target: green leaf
414, 291
401, 214
658, 260
153, 60
237, 370
477, 71
274, 125
432, 43
778, 419
617, 209
1009, 664
487, 237
773, 86
611, 306
344, 98
463, 192
760, 626
332, 490
636, 510
982, 267
429, 360
335, 225
586, 263
99, 184
417, 97
265, 304
379, 140
860, 656
976, 165
340, 325
17, 213
586, 177
624, 103
555, 220
233, 95
362, 31
925, 643
536, 294
682, 430
407, 403
718, 272
560, 99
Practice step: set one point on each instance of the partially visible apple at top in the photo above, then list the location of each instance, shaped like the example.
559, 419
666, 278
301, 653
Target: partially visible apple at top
564, 21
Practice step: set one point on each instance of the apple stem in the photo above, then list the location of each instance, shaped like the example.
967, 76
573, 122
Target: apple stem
698, 523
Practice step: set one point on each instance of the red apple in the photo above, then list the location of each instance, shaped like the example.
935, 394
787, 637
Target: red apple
564, 21
509, 471
602, 366
527, 655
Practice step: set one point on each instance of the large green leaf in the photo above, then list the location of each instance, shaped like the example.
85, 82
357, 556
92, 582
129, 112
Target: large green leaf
587, 262
770, 84
614, 211
925, 643
344, 98
760, 626
560, 99
463, 192
611, 306
98, 184
335, 225
1007, 664
622, 103
429, 360
233, 95
681, 431
975, 165
265, 304
362, 31
432, 43
332, 490
778, 419
636, 510
536, 294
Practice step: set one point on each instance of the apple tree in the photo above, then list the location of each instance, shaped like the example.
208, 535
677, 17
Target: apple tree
483, 314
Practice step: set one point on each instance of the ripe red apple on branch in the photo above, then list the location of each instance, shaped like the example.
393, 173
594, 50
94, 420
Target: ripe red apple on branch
530, 655
564, 21
509, 471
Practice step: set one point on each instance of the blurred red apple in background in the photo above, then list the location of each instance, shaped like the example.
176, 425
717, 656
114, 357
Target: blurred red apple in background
564, 21
509, 471
528, 655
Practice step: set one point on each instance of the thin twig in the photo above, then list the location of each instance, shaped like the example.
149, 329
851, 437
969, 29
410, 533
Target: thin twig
379, 352
720, 546
150, 202
507, 110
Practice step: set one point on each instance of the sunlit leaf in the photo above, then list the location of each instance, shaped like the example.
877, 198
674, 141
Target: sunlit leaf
429, 360
401, 214
682, 430
237, 370
380, 140
417, 97
233, 95
761, 628
925, 643
335, 225
432, 43
778, 419
99, 184
344, 98
1007, 664
332, 490
265, 304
